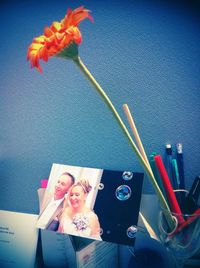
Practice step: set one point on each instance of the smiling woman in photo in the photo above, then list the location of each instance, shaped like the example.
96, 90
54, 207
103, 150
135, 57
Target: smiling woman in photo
77, 218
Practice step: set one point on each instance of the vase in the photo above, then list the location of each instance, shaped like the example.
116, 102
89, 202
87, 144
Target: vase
183, 241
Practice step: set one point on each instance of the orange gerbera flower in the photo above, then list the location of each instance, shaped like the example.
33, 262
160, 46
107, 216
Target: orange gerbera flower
57, 37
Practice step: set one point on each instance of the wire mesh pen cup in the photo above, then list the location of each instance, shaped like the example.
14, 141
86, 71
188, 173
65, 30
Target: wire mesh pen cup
184, 240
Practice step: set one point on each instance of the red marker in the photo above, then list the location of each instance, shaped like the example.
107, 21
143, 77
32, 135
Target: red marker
173, 204
190, 219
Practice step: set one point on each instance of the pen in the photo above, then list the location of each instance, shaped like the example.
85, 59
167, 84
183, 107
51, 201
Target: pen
174, 206
180, 195
175, 174
179, 155
191, 200
169, 166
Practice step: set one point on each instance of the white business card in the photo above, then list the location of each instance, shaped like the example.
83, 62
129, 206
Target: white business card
18, 239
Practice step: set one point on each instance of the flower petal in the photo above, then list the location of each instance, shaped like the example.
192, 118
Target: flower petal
58, 37
48, 32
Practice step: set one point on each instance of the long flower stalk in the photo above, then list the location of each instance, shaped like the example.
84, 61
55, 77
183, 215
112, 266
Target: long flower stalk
89, 76
62, 39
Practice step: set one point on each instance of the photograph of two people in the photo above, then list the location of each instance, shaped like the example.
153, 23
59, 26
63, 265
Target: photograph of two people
90, 202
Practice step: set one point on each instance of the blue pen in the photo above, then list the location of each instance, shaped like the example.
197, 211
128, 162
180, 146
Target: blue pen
179, 156
169, 167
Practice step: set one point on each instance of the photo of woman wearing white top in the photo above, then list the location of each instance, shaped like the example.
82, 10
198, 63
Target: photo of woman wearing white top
77, 218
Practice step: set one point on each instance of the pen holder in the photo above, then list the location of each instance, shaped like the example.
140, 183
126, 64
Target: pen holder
184, 240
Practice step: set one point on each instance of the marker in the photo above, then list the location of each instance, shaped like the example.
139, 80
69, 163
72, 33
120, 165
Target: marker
190, 219
179, 155
174, 206
191, 200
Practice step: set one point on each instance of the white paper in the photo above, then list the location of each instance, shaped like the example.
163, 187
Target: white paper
18, 239
98, 254
57, 250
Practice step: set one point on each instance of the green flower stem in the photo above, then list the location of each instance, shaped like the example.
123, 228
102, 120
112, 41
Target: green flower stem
148, 170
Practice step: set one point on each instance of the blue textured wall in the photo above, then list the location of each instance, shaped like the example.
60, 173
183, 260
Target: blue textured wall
144, 53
